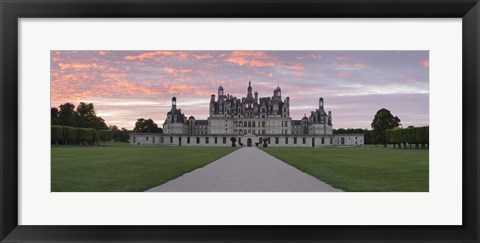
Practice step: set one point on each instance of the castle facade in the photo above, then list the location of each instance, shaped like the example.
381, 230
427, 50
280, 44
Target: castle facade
248, 121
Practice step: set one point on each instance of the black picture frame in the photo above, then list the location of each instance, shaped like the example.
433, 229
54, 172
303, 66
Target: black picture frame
12, 10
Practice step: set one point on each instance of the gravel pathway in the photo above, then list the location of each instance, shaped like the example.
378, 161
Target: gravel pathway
246, 170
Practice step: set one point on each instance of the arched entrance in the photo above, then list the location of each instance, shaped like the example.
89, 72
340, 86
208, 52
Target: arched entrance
249, 142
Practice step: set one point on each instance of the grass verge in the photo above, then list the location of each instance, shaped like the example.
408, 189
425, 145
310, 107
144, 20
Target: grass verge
124, 168
361, 169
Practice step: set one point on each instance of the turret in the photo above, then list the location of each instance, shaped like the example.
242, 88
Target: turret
220, 100
256, 97
220, 92
320, 103
174, 103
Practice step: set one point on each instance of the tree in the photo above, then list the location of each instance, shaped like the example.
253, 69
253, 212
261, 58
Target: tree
83, 135
119, 135
69, 134
146, 126
125, 135
56, 134
92, 136
54, 116
382, 121
67, 115
86, 117
105, 135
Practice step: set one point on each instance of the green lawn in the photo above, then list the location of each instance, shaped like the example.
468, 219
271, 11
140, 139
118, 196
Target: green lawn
361, 169
119, 168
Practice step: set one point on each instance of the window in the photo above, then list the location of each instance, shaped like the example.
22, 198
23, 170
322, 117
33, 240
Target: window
171, 139
215, 140
323, 140
331, 140
343, 140
276, 140
263, 124
188, 140
161, 140
206, 140
224, 140
294, 140
304, 140
153, 139
198, 140
286, 140
263, 131
239, 140
134, 139
146, 138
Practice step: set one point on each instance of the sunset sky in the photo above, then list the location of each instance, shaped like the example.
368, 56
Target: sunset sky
126, 85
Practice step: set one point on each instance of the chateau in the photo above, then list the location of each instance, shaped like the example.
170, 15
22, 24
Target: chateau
249, 121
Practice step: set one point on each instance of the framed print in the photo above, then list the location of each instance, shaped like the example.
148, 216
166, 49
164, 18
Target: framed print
239, 121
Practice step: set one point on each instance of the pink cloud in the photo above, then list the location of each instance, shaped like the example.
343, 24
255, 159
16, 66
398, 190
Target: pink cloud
252, 63
179, 74
78, 66
150, 55
256, 54
295, 67
200, 57
425, 64
360, 65
250, 58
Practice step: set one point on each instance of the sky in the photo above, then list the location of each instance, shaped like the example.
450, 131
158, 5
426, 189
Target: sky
127, 85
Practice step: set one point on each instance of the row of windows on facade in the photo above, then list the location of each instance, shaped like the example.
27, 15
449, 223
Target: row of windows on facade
248, 124
260, 140
294, 131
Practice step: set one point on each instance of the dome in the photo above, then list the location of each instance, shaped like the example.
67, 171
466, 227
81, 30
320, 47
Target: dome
278, 89
174, 98
191, 118
220, 87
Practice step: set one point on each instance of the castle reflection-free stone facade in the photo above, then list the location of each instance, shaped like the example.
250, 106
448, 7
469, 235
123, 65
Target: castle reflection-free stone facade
252, 121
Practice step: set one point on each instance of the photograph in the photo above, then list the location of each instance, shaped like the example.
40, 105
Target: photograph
239, 120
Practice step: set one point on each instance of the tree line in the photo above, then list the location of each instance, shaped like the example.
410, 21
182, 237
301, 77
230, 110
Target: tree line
410, 136
81, 125
78, 136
